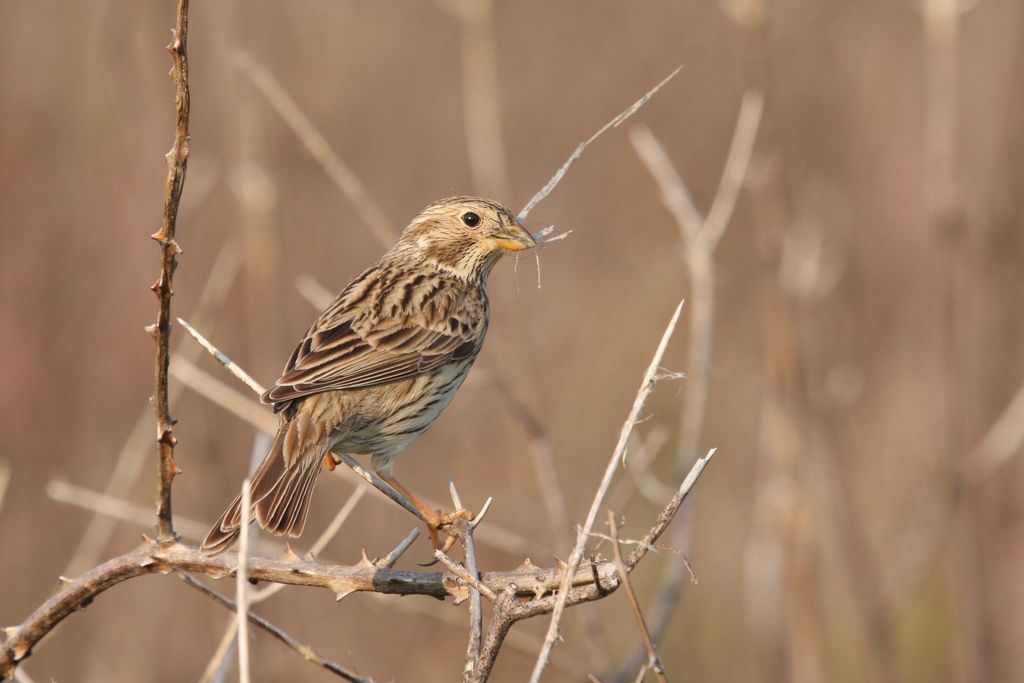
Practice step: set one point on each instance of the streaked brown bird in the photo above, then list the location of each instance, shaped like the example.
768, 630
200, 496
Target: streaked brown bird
381, 362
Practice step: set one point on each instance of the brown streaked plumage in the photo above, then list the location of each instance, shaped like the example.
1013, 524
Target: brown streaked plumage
382, 361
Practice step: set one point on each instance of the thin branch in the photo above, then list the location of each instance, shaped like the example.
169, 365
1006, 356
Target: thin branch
304, 651
177, 161
221, 358
669, 513
653, 663
736, 164
650, 377
239, 404
117, 508
242, 584
391, 558
318, 147
474, 583
371, 477
578, 152
476, 613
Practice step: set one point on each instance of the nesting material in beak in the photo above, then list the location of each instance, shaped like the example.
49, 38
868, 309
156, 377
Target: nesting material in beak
515, 238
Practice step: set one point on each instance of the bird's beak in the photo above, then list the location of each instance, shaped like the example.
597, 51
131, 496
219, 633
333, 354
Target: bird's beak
515, 238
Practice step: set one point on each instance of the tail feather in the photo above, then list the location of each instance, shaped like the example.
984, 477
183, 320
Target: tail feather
280, 499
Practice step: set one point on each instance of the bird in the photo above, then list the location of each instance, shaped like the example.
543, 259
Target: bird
380, 363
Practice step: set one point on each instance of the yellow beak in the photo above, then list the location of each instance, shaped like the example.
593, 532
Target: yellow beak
514, 238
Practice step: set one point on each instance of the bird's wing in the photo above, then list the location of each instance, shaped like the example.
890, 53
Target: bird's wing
369, 343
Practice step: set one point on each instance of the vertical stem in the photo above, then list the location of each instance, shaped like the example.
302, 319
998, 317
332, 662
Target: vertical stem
177, 160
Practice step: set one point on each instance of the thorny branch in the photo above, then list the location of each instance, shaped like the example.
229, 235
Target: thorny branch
177, 160
152, 558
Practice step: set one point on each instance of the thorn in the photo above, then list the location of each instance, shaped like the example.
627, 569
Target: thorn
151, 329
289, 555
177, 470
561, 566
365, 561
64, 582
146, 540
526, 566
342, 589
309, 557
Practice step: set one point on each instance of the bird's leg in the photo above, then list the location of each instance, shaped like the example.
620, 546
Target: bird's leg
435, 519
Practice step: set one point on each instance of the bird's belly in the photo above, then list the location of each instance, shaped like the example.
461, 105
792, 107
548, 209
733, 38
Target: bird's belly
390, 417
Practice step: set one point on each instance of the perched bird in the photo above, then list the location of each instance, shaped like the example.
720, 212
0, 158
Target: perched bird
381, 362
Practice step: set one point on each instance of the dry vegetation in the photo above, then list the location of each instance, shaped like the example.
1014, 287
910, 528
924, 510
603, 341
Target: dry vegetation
852, 337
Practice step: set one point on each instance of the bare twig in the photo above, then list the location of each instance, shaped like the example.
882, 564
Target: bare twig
221, 358
653, 663
305, 651
666, 516
474, 583
557, 178
650, 377
117, 508
389, 560
371, 477
177, 161
316, 144
224, 395
472, 571
242, 585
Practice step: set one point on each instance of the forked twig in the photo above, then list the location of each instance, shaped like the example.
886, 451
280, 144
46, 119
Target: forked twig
650, 377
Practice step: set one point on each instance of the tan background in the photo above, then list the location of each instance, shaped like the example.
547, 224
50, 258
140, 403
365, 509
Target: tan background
849, 378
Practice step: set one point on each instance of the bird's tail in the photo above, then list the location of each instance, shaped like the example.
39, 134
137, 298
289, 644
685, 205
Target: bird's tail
280, 497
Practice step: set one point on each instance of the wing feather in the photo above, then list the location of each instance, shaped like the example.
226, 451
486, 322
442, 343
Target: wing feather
353, 346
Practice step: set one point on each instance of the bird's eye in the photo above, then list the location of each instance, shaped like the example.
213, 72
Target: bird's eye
471, 219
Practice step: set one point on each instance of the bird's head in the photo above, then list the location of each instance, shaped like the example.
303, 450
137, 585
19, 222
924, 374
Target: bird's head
464, 235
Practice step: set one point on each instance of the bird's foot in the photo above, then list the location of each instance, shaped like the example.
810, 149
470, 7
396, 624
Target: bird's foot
453, 524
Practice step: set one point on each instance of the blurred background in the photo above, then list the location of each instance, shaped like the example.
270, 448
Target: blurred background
863, 519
